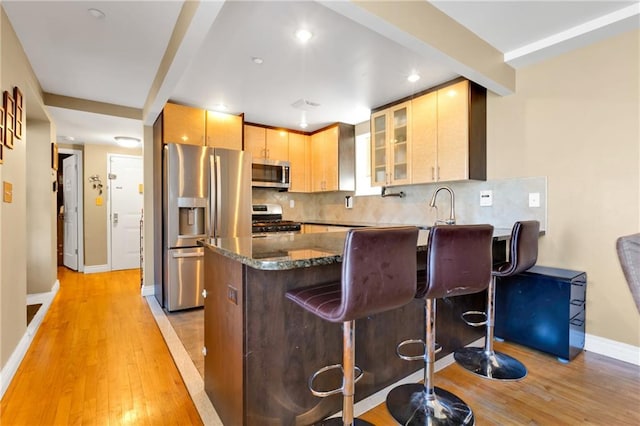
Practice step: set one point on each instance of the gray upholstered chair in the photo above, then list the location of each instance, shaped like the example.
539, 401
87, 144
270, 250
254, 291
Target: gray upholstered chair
629, 254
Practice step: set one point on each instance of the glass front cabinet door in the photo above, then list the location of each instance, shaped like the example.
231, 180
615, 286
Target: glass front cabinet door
390, 154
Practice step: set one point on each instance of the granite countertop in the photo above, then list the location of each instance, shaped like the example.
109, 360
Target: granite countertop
356, 224
282, 252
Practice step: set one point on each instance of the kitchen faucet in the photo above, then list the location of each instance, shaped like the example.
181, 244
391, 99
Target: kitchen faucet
452, 214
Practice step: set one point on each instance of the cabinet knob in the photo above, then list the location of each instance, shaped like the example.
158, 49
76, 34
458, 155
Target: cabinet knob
204, 350
204, 293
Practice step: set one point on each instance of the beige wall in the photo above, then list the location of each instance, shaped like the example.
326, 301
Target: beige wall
95, 217
41, 208
16, 233
575, 119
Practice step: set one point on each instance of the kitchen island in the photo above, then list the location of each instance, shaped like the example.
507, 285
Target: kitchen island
261, 348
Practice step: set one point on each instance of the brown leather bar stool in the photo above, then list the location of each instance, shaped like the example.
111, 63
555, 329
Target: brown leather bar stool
485, 362
458, 262
378, 274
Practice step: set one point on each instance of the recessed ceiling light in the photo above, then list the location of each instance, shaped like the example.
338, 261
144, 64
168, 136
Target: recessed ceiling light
127, 141
304, 125
96, 13
413, 77
303, 35
257, 60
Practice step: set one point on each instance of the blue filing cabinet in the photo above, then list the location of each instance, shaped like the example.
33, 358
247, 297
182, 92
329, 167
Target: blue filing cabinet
543, 308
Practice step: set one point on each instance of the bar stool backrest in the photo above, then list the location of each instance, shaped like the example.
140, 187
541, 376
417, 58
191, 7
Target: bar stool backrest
378, 271
458, 261
523, 249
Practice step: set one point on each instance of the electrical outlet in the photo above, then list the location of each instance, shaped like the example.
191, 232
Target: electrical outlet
534, 199
232, 295
486, 198
348, 202
292, 203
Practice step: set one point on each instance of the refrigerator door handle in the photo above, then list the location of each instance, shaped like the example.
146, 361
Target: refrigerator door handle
218, 196
179, 256
212, 196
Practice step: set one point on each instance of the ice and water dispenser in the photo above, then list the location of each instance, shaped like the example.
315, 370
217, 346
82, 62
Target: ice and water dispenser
191, 217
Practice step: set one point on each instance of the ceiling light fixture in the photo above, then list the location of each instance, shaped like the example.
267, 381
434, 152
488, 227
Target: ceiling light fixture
413, 77
257, 60
127, 141
304, 35
304, 125
96, 13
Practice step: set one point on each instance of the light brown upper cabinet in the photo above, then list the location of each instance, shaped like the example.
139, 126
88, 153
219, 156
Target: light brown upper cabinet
183, 124
224, 130
300, 161
333, 159
254, 140
324, 160
272, 144
196, 126
449, 134
391, 146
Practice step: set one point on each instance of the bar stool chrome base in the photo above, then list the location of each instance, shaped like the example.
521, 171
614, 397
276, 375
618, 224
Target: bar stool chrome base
490, 364
337, 421
410, 406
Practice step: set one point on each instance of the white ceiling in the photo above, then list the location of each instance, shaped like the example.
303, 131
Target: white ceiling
346, 68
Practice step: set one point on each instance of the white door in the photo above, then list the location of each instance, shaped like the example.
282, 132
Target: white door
70, 196
126, 201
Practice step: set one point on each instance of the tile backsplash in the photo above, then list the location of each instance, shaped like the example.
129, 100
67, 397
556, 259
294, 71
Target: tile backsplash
510, 203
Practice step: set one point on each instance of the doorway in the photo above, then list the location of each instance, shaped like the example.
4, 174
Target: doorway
70, 210
125, 201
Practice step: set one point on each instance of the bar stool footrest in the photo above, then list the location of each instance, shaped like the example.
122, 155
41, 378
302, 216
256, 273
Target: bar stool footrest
323, 394
473, 323
415, 357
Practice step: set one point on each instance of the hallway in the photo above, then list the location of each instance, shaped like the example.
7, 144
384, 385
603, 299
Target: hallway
98, 358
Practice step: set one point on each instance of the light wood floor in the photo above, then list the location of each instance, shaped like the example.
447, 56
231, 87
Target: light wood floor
98, 358
589, 390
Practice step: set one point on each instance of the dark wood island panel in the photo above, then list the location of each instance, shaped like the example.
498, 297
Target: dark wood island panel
262, 349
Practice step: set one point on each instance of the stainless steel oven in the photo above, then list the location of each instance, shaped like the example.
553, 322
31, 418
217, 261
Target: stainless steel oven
270, 173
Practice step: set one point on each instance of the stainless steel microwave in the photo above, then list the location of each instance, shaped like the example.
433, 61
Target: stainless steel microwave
267, 173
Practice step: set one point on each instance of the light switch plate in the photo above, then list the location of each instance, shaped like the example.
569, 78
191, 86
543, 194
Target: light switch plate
534, 199
292, 203
486, 198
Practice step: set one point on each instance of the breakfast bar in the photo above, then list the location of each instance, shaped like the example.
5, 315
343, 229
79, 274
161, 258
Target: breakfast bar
261, 349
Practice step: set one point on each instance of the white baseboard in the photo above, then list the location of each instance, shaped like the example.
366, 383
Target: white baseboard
148, 290
612, 349
10, 368
94, 269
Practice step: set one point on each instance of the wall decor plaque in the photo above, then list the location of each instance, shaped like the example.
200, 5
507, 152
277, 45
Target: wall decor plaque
9, 119
1, 134
18, 112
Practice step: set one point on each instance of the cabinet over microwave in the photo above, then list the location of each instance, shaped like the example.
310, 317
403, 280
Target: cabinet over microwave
267, 173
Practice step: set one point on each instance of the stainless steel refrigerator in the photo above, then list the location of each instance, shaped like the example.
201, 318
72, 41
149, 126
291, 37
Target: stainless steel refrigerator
206, 193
